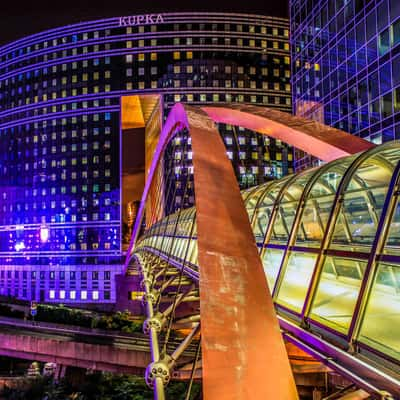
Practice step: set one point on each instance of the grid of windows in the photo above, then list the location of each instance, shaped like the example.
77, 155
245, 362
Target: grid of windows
92, 283
346, 58
60, 155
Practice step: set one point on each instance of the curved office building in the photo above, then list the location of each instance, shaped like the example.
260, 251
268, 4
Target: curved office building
80, 108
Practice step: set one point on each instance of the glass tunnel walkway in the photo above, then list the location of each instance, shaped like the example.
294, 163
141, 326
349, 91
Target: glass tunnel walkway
329, 239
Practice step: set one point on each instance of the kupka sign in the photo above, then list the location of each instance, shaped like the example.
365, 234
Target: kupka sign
146, 19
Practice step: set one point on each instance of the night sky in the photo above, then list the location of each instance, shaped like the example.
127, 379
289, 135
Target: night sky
21, 18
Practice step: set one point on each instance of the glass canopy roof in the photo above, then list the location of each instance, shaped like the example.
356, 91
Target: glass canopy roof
329, 239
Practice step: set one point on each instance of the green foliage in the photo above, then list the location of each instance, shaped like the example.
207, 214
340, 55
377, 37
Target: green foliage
63, 315
33, 389
98, 386
119, 321
7, 311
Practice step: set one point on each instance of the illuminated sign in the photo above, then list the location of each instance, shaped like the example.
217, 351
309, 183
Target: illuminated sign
146, 19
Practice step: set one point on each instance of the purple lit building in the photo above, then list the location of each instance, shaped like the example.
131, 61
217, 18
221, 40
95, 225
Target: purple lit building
346, 66
80, 108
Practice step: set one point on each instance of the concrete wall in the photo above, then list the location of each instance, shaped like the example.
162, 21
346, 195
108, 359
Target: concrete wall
76, 354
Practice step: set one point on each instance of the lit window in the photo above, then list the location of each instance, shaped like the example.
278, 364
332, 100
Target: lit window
72, 294
52, 294
62, 294
177, 55
83, 294
95, 294
384, 41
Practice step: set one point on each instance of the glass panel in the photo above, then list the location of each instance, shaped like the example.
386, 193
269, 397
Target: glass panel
261, 222
314, 221
246, 193
361, 211
296, 280
173, 250
287, 208
193, 255
252, 200
183, 250
381, 324
363, 202
318, 205
272, 261
283, 223
393, 241
265, 207
337, 292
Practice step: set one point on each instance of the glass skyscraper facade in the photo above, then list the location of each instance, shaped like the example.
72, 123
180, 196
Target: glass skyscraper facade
62, 132
346, 66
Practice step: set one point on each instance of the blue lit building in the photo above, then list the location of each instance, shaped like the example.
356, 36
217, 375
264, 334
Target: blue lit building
346, 66
69, 99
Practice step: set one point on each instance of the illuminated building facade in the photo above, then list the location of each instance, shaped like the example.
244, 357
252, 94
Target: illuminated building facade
346, 63
79, 108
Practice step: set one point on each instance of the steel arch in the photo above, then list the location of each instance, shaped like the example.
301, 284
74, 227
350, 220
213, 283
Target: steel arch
240, 331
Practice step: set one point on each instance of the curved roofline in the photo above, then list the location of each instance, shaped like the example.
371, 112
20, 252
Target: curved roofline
92, 23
